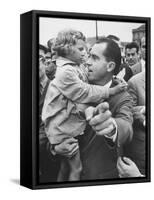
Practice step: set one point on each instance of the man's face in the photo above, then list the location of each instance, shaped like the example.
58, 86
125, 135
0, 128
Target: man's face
44, 59
143, 50
131, 56
97, 64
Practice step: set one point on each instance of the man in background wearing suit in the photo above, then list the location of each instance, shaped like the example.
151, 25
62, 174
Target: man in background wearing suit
132, 58
140, 66
131, 51
136, 149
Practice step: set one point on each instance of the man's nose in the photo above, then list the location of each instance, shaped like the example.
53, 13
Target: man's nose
131, 56
88, 62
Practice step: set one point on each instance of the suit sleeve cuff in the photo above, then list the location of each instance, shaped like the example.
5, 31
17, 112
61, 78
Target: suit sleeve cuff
113, 134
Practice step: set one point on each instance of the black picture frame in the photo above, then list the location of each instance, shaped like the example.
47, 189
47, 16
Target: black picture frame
29, 95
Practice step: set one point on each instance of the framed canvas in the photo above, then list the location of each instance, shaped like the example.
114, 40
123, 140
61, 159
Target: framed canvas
85, 99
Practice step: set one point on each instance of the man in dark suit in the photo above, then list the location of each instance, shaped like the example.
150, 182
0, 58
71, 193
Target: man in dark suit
136, 149
132, 59
101, 146
128, 67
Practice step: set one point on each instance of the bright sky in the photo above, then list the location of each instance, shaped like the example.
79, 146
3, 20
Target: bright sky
49, 27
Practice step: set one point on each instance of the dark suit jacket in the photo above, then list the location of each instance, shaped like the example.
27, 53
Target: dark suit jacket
99, 154
136, 149
128, 73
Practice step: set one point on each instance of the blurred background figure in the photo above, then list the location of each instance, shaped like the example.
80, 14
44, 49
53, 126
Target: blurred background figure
46, 160
44, 56
50, 70
125, 72
139, 66
50, 45
136, 148
131, 53
143, 53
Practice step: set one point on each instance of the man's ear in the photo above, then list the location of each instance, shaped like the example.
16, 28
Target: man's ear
110, 66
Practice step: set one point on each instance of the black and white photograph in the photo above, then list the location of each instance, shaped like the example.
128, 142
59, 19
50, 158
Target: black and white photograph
93, 100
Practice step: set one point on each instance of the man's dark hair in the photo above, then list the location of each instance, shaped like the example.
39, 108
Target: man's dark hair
43, 48
132, 45
113, 37
112, 53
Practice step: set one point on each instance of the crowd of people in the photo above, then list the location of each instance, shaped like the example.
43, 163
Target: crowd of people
91, 109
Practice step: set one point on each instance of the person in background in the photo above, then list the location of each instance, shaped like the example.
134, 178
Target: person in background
127, 168
143, 52
50, 70
131, 58
136, 87
46, 160
125, 72
44, 57
136, 148
50, 44
131, 53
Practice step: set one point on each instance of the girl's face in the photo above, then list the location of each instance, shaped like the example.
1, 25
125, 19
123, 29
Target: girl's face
81, 45
78, 53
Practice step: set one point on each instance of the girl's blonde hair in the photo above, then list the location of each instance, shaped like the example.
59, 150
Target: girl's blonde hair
65, 40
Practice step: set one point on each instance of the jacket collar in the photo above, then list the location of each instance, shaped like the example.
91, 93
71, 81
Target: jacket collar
61, 61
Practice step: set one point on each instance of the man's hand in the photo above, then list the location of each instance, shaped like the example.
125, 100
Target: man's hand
127, 168
67, 148
139, 115
102, 122
142, 110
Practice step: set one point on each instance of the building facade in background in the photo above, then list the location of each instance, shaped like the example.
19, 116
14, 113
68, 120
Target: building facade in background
138, 33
